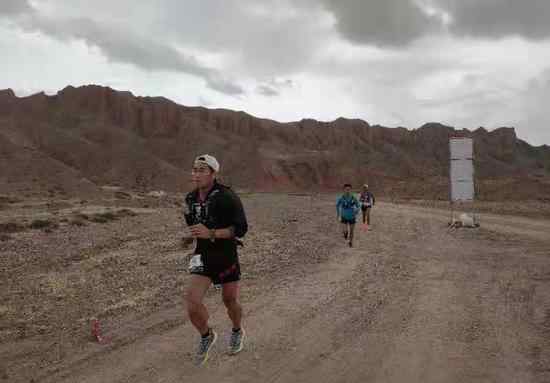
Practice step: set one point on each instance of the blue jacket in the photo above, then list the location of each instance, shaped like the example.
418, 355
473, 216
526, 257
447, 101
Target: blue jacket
347, 207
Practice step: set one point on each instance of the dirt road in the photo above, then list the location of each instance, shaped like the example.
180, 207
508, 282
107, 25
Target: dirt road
411, 302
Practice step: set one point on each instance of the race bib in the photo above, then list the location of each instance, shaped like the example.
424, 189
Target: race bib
195, 264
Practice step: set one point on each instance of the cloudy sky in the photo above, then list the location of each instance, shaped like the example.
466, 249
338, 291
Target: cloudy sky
466, 63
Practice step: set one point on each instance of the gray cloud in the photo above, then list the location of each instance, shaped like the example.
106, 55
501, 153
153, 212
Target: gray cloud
529, 19
124, 46
261, 38
266, 90
274, 87
118, 45
14, 7
400, 22
388, 22
255, 38
217, 82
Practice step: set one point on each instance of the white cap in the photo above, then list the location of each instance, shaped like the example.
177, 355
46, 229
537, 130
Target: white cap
208, 160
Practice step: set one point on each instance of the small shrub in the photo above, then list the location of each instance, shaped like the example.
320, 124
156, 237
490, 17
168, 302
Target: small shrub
122, 195
11, 227
103, 217
5, 237
99, 219
8, 199
77, 222
126, 213
82, 216
42, 224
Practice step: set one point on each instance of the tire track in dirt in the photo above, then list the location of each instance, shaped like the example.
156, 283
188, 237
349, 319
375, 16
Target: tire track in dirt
296, 301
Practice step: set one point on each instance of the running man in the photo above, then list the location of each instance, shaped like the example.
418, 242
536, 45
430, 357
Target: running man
347, 208
367, 202
216, 219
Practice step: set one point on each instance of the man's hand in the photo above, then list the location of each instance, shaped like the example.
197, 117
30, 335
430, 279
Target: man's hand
200, 231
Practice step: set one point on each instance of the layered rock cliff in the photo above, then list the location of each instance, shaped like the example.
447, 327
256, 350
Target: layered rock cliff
83, 138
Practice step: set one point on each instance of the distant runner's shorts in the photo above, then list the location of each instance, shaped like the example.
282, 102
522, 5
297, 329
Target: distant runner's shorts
348, 221
365, 207
219, 277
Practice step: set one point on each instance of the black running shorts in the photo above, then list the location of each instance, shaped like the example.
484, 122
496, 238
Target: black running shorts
348, 221
221, 276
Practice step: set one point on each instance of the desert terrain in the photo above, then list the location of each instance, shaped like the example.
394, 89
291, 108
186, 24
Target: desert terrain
412, 301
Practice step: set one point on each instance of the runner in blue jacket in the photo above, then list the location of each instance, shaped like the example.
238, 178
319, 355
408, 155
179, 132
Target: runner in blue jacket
347, 207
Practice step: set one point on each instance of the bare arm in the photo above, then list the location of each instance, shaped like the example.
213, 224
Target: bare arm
226, 233
201, 231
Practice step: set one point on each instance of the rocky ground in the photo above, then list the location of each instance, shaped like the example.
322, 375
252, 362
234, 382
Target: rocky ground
412, 301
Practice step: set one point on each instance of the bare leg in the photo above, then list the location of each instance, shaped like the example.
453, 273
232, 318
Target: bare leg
194, 295
345, 230
368, 216
230, 295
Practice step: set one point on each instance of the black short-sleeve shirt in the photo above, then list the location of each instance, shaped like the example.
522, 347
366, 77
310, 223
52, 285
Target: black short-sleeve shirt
221, 209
